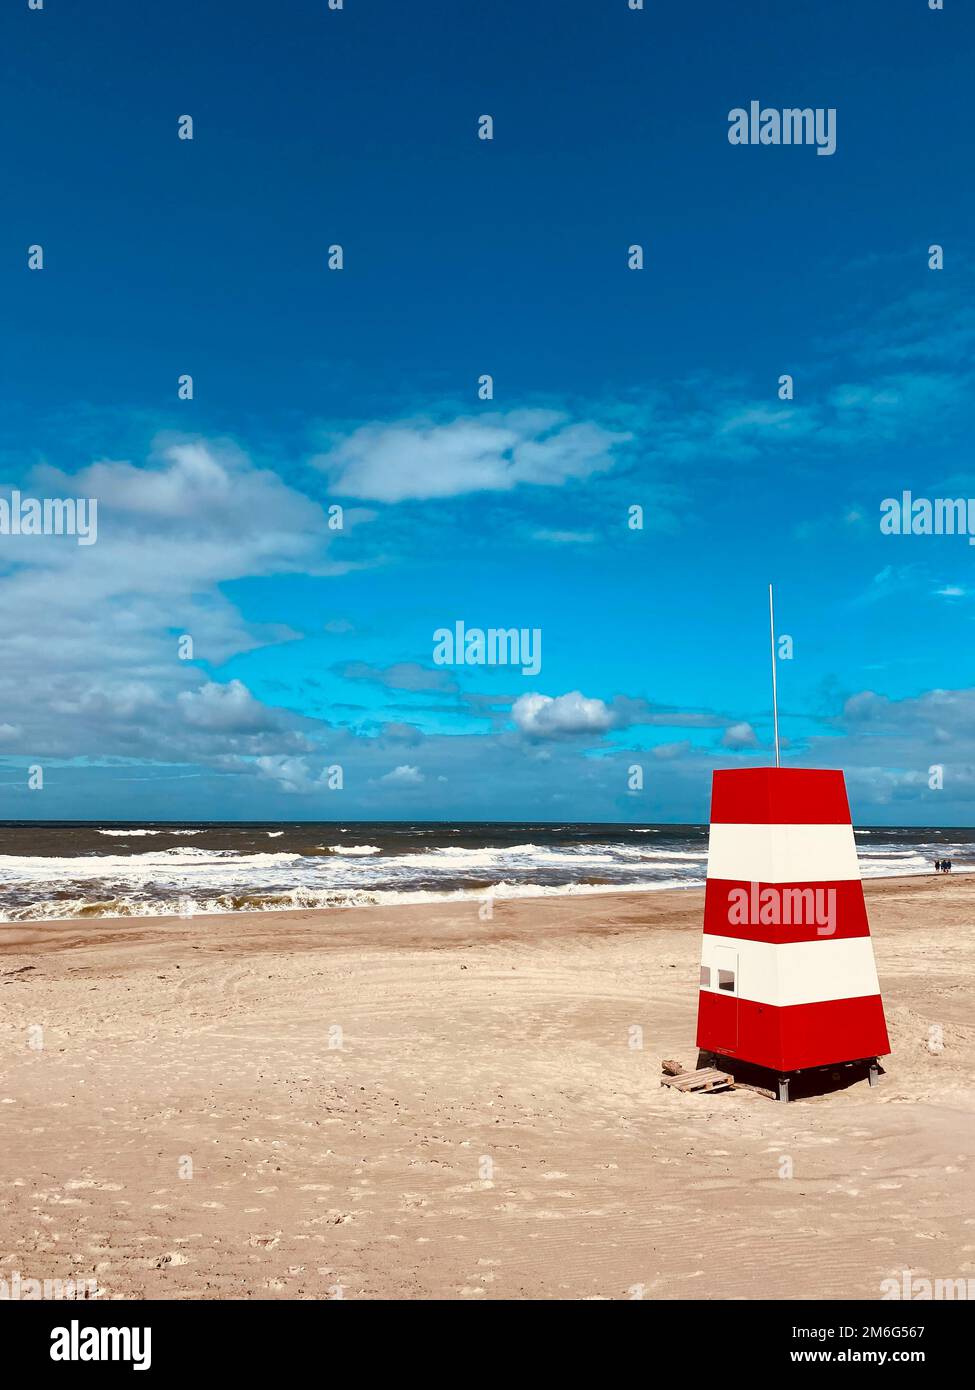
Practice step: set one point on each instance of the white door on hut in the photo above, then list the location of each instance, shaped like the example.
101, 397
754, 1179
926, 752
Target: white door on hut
725, 963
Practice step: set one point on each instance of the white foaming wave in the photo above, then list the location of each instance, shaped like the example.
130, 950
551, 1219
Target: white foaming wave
297, 898
560, 890
891, 852
901, 868
155, 883
180, 858
542, 856
132, 834
491, 856
453, 858
650, 856
465, 852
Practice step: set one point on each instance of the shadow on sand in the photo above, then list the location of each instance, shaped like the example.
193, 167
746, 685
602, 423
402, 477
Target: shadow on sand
818, 1081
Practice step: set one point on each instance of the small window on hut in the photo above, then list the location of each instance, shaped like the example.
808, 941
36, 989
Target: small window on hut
705, 977
726, 980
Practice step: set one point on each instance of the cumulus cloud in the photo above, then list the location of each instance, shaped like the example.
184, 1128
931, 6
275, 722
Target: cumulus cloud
403, 776
420, 458
888, 746
667, 751
573, 714
230, 708
545, 716
398, 731
739, 736
289, 775
96, 628
937, 715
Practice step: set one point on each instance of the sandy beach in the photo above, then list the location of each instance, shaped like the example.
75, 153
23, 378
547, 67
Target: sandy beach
415, 1103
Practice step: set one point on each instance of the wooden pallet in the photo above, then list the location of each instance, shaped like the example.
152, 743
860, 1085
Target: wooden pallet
707, 1079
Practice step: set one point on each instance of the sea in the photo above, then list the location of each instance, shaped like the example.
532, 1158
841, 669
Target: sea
109, 869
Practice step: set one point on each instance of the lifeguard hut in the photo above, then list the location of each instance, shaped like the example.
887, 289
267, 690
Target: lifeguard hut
788, 980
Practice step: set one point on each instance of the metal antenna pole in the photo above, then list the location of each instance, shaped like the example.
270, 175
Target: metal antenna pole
775, 697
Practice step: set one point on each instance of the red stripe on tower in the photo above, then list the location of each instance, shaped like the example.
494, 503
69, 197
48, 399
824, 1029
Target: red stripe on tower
788, 979
784, 912
779, 796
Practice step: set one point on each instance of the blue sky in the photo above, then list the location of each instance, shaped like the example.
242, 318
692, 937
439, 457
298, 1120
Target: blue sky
313, 648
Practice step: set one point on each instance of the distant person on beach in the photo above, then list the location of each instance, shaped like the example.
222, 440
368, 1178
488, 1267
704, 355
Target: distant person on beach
947, 866
937, 866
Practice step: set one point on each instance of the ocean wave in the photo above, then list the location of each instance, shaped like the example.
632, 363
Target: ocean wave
570, 857
376, 864
179, 858
305, 898
130, 834
133, 834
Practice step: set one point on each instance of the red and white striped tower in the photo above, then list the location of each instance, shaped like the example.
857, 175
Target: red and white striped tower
788, 979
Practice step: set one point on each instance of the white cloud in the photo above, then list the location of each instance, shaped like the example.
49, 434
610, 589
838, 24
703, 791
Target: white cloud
104, 649
543, 716
739, 736
495, 452
404, 776
230, 708
667, 751
288, 774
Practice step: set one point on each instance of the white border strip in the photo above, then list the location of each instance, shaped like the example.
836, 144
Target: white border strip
783, 853
800, 972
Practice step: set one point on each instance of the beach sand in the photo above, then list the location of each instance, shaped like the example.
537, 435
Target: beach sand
488, 1129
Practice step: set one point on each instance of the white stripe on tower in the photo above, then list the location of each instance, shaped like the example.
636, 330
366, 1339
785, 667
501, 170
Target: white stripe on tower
782, 853
800, 972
